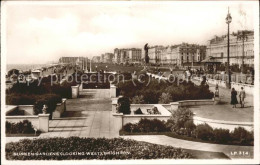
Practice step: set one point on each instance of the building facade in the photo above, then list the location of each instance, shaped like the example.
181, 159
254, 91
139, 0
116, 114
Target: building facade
108, 57
132, 55
72, 60
242, 40
96, 59
182, 54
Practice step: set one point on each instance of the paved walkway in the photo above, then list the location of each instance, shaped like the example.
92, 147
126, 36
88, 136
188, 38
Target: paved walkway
229, 150
224, 110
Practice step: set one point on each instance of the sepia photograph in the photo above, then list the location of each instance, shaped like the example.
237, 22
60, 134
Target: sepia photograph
130, 82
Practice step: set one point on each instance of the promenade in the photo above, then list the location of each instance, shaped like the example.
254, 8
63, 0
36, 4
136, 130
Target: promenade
224, 110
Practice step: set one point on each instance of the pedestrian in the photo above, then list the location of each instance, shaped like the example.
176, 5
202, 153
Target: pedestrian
216, 94
242, 96
234, 97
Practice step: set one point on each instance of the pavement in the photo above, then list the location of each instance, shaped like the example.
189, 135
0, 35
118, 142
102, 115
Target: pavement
224, 110
232, 151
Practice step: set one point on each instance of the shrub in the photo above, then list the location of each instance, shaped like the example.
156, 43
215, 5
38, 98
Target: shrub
146, 125
154, 89
138, 99
242, 136
20, 99
132, 149
50, 100
189, 127
165, 98
178, 118
24, 127
124, 105
204, 132
221, 135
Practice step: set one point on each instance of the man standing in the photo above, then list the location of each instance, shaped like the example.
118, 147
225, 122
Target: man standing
242, 96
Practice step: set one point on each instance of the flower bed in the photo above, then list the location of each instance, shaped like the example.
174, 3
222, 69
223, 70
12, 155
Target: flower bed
91, 148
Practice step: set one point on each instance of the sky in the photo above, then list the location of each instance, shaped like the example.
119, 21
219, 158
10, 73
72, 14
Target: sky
38, 33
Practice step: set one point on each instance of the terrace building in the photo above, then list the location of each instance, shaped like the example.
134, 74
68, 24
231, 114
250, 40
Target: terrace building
182, 54
132, 55
217, 48
96, 59
73, 60
108, 57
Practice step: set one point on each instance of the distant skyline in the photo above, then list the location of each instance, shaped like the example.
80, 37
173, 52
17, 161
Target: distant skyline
44, 31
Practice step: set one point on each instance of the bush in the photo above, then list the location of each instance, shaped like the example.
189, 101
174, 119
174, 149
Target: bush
178, 118
146, 125
138, 99
124, 105
24, 127
221, 135
155, 111
132, 149
204, 132
155, 91
20, 99
50, 100
165, 98
242, 136
189, 127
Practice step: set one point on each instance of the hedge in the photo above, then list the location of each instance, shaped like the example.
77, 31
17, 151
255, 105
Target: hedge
91, 148
204, 132
24, 127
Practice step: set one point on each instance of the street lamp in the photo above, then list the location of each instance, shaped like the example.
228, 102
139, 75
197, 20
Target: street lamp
228, 21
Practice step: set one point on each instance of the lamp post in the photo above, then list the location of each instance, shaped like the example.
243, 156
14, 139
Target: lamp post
228, 21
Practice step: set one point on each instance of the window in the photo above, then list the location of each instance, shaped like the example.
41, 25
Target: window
187, 58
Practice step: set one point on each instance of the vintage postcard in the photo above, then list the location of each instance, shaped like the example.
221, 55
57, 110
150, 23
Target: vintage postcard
130, 82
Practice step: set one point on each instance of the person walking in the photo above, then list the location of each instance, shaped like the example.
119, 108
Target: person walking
234, 97
242, 96
216, 94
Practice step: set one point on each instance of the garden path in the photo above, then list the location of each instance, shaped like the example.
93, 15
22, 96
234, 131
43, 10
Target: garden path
232, 151
89, 115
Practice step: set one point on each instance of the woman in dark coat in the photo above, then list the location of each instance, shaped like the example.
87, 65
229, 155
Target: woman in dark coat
234, 98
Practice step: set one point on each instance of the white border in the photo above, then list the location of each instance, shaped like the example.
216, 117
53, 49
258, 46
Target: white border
215, 161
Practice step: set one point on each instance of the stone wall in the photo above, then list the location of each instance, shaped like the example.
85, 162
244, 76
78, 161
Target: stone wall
231, 125
121, 119
28, 109
75, 91
41, 121
60, 109
249, 89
